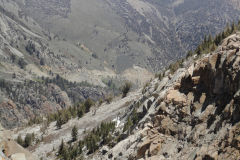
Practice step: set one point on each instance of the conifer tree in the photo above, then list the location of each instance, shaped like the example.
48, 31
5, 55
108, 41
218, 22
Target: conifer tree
59, 123
88, 104
28, 140
74, 133
62, 148
19, 140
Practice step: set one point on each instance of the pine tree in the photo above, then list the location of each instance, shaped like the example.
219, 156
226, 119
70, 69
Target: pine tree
128, 124
59, 123
214, 47
74, 133
126, 88
80, 113
228, 30
88, 104
210, 40
233, 27
62, 148
20, 140
199, 49
80, 146
28, 140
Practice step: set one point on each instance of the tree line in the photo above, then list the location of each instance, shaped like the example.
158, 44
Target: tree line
209, 44
92, 141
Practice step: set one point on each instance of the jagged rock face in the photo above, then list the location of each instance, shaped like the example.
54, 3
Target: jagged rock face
195, 114
191, 114
202, 121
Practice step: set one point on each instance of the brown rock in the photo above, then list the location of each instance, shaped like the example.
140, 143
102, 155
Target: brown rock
176, 98
196, 80
155, 147
206, 113
168, 127
213, 60
202, 98
143, 149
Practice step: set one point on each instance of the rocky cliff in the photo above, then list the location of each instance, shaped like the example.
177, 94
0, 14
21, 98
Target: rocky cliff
192, 114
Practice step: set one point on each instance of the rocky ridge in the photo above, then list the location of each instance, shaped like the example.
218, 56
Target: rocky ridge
192, 114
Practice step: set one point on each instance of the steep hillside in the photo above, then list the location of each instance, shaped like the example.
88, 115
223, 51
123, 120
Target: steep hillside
102, 42
42, 73
190, 114
148, 33
58, 57
29, 80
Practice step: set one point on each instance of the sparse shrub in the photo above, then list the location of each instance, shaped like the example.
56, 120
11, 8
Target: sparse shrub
100, 101
30, 47
175, 66
22, 63
13, 58
109, 99
94, 55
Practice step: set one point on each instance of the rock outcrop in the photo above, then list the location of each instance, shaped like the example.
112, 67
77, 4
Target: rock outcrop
195, 114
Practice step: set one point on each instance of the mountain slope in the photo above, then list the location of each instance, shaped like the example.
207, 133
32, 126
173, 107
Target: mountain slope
126, 32
190, 114
102, 42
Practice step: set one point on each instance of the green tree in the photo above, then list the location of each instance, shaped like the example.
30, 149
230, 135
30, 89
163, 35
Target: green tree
210, 40
74, 133
128, 125
233, 27
199, 49
91, 143
126, 88
189, 54
20, 140
28, 140
88, 104
59, 123
80, 112
214, 47
62, 148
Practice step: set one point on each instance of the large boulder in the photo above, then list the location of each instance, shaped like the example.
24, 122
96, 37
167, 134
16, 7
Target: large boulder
18, 156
